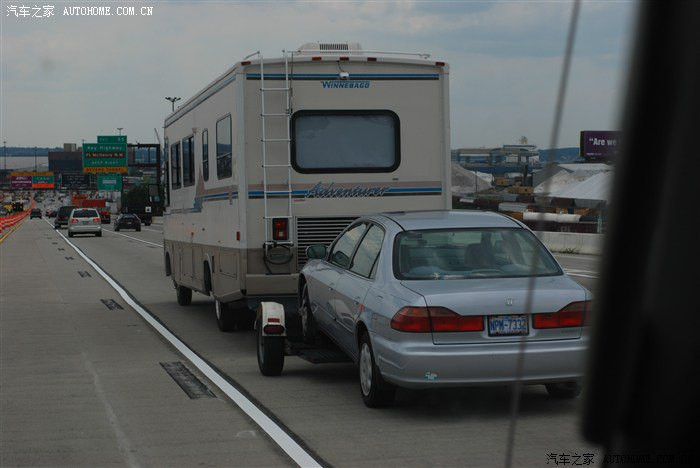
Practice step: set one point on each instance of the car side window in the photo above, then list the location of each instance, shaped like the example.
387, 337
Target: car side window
344, 246
367, 253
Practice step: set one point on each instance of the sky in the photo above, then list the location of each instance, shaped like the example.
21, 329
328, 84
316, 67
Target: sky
64, 79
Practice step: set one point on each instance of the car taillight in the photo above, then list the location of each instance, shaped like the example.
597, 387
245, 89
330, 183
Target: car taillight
434, 319
570, 316
280, 229
96, 219
73, 220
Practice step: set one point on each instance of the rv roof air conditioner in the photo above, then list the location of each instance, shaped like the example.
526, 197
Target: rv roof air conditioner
330, 48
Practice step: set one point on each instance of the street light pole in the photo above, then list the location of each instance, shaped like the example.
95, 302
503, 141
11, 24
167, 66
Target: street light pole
172, 101
120, 130
4, 152
35, 168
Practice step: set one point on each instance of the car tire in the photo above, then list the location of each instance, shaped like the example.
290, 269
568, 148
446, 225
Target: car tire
184, 295
564, 390
99, 234
116, 229
309, 331
138, 229
270, 351
224, 316
70, 234
375, 391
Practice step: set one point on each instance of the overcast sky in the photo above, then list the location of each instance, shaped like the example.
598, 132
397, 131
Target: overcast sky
68, 78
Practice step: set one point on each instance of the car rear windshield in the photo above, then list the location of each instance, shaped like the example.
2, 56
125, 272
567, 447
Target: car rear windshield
85, 214
65, 210
471, 253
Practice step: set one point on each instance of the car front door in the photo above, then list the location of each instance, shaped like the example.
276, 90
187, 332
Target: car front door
353, 284
322, 294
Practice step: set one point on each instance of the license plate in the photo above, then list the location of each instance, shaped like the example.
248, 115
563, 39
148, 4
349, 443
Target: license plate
505, 325
86, 222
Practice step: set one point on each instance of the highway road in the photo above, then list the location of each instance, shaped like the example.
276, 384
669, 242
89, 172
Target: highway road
83, 384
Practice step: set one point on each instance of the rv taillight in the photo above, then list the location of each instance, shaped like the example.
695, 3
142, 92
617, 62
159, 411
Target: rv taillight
344, 59
440, 64
316, 59
279, 229
245, 62
371, 59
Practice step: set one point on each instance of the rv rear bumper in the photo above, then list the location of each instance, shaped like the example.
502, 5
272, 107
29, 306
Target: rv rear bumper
259, 285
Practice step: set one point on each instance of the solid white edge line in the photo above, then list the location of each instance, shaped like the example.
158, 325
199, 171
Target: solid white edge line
276, 433
135, 238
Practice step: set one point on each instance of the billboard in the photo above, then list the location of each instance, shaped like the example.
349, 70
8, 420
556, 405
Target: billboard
75, 180
599, 144
32, 180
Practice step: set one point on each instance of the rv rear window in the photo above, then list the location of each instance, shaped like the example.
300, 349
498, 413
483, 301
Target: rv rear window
188, 161
175, 165
223, 147
345, 141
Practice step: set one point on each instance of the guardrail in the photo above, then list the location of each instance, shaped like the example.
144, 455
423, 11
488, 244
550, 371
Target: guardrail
8, 222
572, 242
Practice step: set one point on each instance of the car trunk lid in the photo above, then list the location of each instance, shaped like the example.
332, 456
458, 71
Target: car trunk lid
503, 301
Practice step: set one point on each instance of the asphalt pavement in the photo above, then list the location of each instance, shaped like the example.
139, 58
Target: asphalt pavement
83, 385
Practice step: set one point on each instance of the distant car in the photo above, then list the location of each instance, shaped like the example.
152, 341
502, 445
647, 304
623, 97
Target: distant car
35, 213
84, 221
439, 299
62, 216
127, 221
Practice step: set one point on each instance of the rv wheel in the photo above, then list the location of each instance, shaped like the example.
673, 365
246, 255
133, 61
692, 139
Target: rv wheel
184, 295
270, 352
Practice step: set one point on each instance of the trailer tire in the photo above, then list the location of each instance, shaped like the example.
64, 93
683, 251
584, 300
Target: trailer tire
270, 352
184, 295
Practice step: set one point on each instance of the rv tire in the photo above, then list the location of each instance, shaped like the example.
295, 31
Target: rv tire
184, 295
270, 352
224, 316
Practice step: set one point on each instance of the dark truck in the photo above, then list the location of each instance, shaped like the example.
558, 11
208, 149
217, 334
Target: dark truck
144, 212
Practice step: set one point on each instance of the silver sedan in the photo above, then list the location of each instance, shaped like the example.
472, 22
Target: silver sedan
440, 299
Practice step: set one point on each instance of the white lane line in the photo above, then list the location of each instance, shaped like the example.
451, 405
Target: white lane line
577, 273
152, 230
276, 433
131, 237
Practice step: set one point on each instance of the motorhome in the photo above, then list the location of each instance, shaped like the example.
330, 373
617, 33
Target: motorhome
278, 154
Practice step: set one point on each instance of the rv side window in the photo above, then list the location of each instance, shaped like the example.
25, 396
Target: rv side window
345, 141
188, 161
205, 154
175, 165
223, 148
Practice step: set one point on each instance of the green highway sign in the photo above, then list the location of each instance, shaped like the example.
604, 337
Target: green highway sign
109, 182
111, 139
104, 157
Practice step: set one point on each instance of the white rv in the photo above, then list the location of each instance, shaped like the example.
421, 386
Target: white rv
279, 154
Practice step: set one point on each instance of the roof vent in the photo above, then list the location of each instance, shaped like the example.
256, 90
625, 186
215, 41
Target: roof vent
330, 48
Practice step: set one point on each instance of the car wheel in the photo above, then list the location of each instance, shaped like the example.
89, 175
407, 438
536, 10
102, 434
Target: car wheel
375, 391
116, 229
270, 352
224, 316
184, 295
99, 234
308, 324
70, 234
138, 229
564, 389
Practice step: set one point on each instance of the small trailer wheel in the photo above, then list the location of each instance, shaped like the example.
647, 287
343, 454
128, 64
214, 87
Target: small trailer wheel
270, 352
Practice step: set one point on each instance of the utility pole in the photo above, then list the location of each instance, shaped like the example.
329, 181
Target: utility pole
172, 101
35, 167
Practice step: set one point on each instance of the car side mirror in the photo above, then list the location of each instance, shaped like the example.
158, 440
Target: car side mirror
316, 251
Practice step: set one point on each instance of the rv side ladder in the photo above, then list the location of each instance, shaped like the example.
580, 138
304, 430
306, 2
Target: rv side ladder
270, 170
